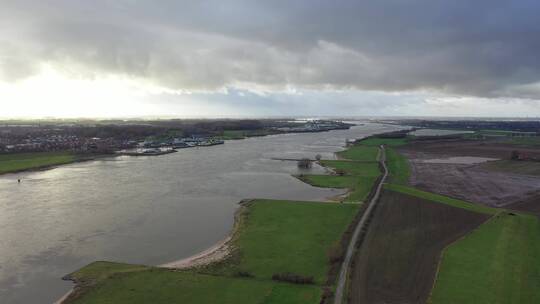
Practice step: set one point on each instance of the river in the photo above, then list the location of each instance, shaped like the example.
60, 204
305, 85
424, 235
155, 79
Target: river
146, 210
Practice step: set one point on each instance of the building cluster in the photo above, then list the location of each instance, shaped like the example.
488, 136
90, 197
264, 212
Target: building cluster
59, 142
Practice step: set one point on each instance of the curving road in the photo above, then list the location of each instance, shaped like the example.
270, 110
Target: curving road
343, 273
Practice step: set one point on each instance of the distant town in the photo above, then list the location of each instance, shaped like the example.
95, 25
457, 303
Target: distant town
142, 137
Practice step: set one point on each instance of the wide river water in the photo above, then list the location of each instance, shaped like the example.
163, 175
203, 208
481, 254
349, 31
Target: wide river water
146, 210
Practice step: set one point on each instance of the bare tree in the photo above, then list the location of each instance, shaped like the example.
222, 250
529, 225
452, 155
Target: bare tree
304, 163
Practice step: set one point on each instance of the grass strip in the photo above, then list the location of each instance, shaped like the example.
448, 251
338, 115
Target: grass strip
441, 199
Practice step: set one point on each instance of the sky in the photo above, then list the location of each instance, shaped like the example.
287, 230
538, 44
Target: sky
140, 58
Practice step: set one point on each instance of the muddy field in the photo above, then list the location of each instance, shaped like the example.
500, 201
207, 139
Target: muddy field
398, 259
474, 182
478, 148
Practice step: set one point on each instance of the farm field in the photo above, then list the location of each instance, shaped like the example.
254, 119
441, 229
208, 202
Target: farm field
26, 161
497, 263
468, 181
398, 258
512, 166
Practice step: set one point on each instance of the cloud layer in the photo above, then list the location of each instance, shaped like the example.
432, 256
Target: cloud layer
467, 48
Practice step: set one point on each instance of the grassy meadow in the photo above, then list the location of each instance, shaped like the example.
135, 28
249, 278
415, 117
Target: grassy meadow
441, 199
496, 263
26, 161
129, 284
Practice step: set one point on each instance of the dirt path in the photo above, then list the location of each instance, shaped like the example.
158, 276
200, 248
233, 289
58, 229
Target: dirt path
343, 273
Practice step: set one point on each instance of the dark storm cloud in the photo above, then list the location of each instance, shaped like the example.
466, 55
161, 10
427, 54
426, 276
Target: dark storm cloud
481, 48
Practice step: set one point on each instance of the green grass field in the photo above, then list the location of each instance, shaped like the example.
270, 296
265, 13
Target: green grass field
360, 153
398, 167
377, 141
359, 186
285, 236
497, 263
441, 199
26, 161
160, 286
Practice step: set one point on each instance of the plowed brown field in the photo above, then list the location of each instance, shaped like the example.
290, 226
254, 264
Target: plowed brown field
398, 258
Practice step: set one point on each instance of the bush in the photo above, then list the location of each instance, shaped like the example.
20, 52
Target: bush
326, 295
292, 278
243, 274
335, 255
340, 172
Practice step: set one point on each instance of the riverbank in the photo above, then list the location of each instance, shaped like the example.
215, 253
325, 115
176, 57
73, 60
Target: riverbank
39, 161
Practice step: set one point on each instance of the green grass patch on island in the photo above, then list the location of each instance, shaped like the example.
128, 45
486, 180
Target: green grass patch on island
26, 161
497, 263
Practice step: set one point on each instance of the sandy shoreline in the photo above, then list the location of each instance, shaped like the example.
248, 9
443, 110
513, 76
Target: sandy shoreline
213, 254
218, 252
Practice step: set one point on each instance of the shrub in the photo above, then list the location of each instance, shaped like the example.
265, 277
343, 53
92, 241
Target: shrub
292, 278
340, 172
335, 255
243, 274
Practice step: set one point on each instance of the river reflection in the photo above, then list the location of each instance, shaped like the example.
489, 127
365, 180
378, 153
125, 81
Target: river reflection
147, 210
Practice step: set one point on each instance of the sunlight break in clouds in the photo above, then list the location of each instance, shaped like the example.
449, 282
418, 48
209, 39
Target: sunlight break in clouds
139, 58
